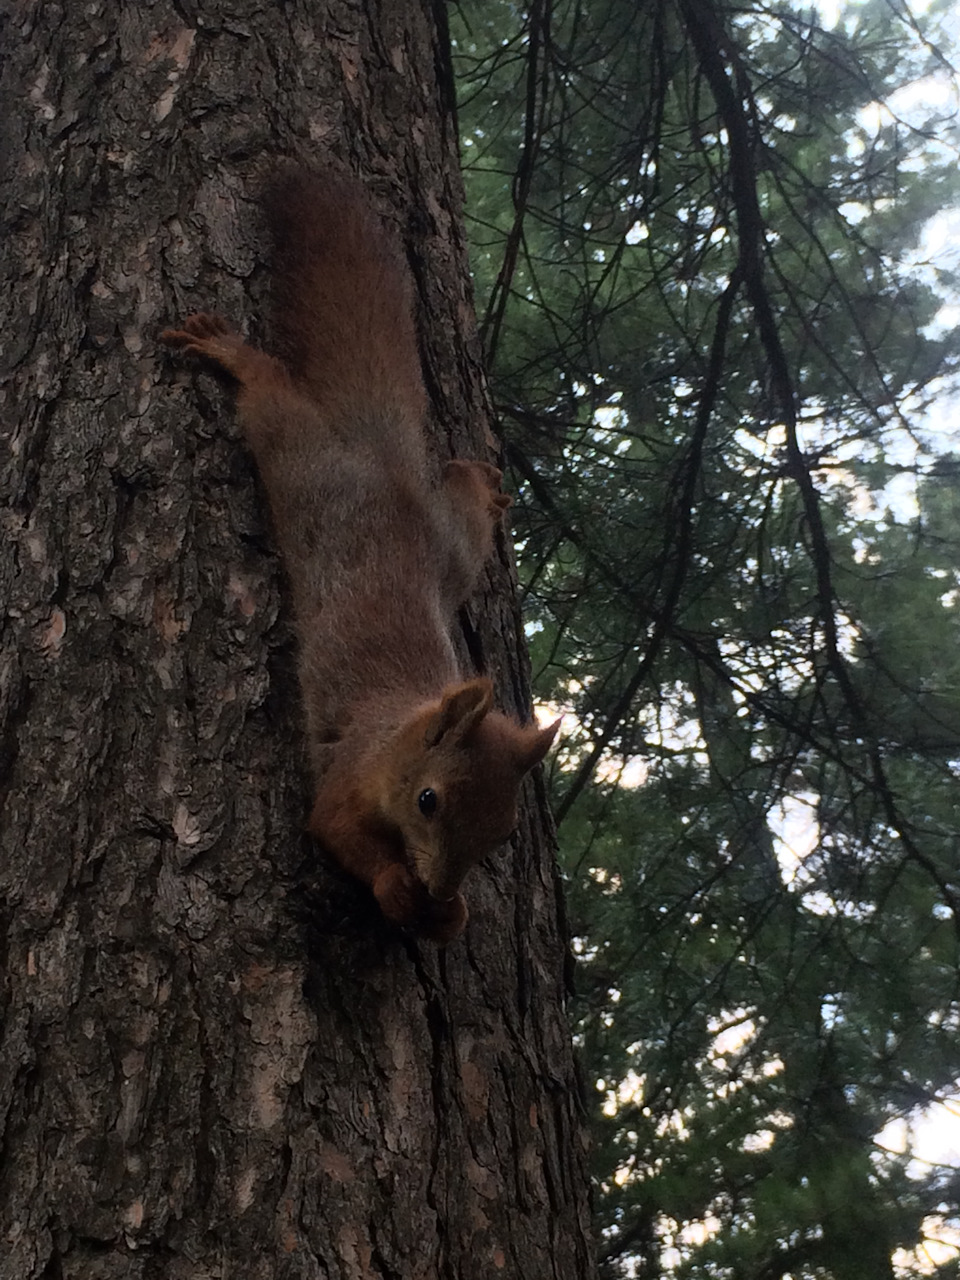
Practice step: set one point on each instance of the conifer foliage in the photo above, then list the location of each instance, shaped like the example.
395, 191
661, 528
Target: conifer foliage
700, 242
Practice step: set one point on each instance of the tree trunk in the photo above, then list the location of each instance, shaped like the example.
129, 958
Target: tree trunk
216, 1058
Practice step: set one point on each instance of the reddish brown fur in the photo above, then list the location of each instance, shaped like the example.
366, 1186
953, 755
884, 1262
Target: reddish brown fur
379, 558
342, 302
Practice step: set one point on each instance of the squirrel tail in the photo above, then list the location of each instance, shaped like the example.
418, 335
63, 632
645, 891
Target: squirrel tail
343, 306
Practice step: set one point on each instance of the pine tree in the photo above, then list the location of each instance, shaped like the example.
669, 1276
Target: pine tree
697, 234
215, 1056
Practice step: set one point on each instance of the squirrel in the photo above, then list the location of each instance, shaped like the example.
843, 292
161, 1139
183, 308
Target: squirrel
417, 775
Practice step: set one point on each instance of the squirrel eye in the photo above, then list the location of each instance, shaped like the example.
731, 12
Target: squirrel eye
427, 802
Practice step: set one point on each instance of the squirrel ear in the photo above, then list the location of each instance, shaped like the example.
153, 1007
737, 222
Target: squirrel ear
462, 709
533, 744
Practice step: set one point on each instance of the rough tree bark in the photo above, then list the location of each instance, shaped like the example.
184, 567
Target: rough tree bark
215, 1058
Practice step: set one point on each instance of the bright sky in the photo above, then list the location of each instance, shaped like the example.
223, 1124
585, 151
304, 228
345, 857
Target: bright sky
932, 1133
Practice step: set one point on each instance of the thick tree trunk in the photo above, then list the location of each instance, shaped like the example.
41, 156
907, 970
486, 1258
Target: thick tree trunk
207, 1067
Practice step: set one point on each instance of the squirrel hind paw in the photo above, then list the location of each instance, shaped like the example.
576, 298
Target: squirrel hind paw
470, 471
201, 325
478, 483
208, 335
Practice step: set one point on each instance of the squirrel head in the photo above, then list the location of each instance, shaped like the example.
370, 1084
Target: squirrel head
452, 784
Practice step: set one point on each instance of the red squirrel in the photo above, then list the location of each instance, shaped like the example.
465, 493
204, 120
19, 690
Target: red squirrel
417, 774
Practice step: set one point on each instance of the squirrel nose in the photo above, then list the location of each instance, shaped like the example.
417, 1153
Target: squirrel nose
446, 897
444, 889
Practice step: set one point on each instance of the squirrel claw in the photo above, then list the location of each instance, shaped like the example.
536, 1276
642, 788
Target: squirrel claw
478, 482
208, 335
202, 324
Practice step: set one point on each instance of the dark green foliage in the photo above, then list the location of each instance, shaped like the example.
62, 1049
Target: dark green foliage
695, 249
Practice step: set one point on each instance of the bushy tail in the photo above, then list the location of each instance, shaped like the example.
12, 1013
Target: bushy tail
343, 305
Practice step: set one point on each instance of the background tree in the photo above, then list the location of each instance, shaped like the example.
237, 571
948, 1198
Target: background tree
205, 1071
712, 336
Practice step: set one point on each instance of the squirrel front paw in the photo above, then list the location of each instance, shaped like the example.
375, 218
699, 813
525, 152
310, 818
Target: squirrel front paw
404, 900
444, 921
399, 894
